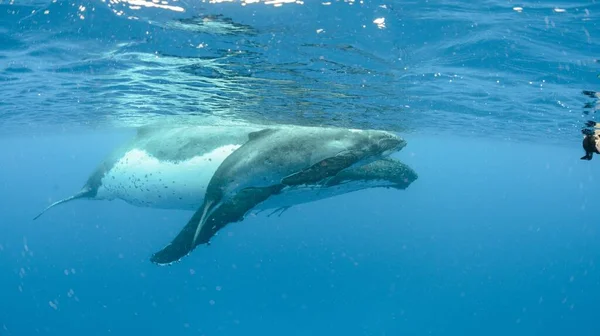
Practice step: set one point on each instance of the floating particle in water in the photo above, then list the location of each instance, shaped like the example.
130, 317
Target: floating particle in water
53, 305
380, 22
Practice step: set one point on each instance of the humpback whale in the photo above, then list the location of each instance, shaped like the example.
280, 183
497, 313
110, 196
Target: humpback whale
172, 167
164, 167
382, 173
273, 162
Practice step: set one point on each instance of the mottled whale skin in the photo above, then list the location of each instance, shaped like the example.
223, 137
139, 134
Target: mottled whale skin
382, 173
168, 167
164, 167
277, 161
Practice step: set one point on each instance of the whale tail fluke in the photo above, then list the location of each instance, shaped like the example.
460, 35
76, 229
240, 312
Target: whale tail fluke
84, 193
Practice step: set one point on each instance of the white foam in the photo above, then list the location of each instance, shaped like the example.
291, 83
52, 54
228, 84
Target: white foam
143, 180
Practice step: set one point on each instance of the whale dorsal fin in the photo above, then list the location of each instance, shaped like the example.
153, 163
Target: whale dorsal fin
145, 130
259, 134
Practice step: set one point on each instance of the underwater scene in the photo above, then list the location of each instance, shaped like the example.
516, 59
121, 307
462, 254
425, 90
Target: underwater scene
296, 167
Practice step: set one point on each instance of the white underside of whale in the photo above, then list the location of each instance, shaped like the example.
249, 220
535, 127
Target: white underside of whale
143, 180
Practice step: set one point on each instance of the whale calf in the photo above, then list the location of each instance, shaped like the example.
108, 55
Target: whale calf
273, 162
171, 167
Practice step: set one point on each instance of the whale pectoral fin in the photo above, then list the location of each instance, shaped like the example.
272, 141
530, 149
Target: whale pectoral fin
322, 169
226, 213
206, 209
181, 245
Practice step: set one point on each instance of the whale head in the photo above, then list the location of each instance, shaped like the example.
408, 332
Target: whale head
386, 143
371, 145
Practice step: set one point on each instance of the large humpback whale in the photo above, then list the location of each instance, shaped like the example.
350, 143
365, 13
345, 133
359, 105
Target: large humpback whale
165, 167
171, 168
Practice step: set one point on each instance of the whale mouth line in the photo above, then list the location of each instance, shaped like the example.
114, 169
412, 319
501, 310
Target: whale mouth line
390, 144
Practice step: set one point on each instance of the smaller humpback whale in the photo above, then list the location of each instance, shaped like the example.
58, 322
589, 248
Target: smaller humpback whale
383, 173
273, 161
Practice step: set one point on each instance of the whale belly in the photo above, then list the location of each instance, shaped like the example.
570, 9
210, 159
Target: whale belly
143, 180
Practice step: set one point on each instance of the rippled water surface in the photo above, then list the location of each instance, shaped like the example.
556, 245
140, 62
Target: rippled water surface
496, 237
514, 70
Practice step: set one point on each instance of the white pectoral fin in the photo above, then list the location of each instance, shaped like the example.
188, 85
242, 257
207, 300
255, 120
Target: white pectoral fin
217, 214
187, 239
202, 221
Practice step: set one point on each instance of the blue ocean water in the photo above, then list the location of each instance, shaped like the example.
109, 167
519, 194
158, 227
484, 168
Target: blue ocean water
497, 235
